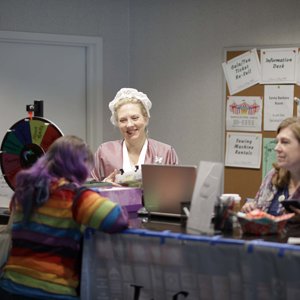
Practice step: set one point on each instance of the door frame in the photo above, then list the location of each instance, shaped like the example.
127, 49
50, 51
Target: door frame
94, 73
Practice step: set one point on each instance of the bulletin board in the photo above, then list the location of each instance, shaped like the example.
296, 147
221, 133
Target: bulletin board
246, 181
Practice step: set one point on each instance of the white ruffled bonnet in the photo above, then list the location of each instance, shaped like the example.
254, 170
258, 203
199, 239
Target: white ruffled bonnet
129, 93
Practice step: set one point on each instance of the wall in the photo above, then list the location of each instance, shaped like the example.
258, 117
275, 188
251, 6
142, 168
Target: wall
105, 18
177, 48
170, 49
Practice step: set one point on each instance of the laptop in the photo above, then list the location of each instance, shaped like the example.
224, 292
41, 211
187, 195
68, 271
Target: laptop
165, 187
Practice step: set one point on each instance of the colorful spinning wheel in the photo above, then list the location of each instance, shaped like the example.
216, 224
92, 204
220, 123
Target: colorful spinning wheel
24, 143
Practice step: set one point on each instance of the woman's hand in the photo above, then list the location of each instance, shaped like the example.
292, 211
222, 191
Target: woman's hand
248, 207
111, 178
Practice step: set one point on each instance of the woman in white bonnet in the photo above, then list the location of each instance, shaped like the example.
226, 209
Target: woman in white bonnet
130, 111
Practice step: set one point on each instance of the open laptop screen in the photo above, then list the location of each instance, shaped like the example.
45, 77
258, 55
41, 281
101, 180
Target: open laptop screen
165, 187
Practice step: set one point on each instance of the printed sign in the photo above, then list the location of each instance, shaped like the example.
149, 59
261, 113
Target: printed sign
269, 155
279, 104
279, 65
243, 150
244, 113
242, 71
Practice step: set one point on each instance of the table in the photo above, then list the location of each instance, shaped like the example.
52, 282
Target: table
158, 260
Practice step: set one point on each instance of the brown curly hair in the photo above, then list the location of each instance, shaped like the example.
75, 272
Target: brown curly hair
282, 176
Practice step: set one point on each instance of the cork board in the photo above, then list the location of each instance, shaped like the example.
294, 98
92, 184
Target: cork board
245, 181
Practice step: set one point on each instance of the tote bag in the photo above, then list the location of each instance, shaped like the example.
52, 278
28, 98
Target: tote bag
5, 240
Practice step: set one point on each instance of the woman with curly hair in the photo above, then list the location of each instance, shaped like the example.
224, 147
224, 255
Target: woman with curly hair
283, 181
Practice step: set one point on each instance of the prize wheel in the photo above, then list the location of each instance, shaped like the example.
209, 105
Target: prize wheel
24, 143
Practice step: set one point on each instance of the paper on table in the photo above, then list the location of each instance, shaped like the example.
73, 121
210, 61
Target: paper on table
294, 240
208, 188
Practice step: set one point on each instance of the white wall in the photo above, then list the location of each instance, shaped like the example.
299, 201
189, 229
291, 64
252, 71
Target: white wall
170, 49
177, 48
105, 18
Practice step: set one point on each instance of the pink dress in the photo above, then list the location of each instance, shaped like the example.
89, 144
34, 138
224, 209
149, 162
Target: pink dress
109, 156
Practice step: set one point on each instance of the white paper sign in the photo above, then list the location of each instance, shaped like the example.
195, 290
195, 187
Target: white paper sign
279, 65
244, 113
243, 150
278, 105
208, 188
242, 71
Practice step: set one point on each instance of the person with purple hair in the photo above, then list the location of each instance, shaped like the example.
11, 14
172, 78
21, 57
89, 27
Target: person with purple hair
50, 206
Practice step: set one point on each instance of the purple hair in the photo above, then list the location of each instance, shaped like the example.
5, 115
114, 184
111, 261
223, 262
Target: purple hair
68, 157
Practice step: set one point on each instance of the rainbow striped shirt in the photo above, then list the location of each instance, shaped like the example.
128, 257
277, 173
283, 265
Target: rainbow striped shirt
46, 252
